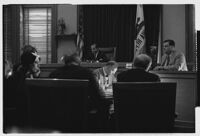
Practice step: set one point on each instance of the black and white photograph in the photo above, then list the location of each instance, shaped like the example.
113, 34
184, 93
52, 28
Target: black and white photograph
95, 68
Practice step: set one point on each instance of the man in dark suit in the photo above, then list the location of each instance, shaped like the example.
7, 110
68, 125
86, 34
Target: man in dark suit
73, 70
139, 73
96, 55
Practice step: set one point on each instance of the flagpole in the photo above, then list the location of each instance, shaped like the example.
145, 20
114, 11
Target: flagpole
159, 43
134, 49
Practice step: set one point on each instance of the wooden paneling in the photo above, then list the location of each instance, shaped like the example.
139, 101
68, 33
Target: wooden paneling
186, 93
186, 87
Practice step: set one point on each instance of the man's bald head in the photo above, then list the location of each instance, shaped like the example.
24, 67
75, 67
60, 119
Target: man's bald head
142, 61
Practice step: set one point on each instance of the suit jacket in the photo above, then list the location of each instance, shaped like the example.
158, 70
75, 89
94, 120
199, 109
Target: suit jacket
100, 56
96, 95
137, 75
177, 61
104, 80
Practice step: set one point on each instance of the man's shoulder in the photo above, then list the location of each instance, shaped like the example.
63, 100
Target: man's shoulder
98, 71
164, 55
81, 69
127, 72
123, 72
85, 72
154, 76
71, 71
178, 53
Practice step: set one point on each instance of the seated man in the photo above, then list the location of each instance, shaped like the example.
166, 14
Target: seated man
96, 55
73, 70
139, 72
172, 60
106, 74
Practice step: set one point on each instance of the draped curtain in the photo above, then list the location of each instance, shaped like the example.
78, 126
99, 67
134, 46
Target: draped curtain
11, 31
114, 26
152, 15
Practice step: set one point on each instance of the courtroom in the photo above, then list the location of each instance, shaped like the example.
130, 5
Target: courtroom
99, 68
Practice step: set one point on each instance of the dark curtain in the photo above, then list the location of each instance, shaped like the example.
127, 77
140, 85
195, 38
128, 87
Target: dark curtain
152, 21
114, 26
11, 33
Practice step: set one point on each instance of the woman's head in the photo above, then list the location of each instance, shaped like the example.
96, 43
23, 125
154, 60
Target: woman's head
30, 60
28, 49
29, 55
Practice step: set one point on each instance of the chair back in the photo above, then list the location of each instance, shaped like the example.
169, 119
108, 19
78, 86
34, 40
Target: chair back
110, 52
144, 106
59, 104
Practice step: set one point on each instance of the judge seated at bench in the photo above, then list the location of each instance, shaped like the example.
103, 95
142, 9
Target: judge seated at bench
139, 72
96, 55
172, 60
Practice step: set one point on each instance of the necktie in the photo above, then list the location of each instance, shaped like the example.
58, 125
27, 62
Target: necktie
167, 60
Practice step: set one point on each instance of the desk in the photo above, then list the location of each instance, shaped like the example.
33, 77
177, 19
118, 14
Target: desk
186, 87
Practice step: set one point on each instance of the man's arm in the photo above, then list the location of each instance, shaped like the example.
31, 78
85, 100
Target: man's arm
178, 64
160, 67
179, 61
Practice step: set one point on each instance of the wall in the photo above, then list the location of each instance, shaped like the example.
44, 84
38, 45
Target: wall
174, 25
69, 14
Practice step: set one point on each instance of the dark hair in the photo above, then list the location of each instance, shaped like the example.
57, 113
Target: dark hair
142, 61
171, 42
68, 59
112, 63
29, 49
27, 58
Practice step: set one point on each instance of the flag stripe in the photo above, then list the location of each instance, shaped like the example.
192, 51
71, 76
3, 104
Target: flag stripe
140, 32
79, 45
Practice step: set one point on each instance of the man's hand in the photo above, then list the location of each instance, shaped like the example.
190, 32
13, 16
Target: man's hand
159, 68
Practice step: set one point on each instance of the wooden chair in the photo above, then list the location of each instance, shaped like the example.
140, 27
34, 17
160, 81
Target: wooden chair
144, 106
110, 52
58, 104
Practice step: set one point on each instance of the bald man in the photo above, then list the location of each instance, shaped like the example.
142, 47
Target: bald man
139, 72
